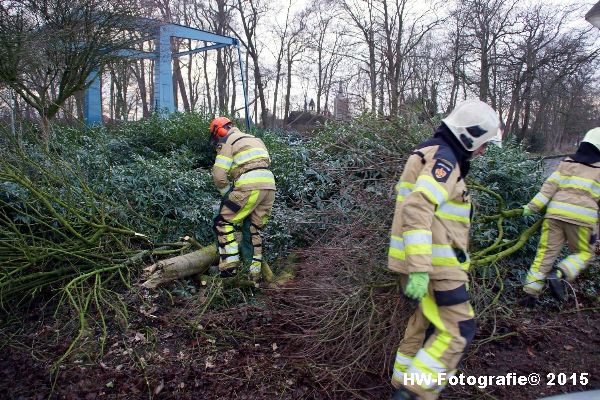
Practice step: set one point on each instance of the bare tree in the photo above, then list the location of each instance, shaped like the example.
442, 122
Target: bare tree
539, 60
294, 48
327, 43
426, 76
250, 14
49, 48
139, 72
487, 22
362, 14
403, 30
281, 32
219, 19
454, 59
120, 76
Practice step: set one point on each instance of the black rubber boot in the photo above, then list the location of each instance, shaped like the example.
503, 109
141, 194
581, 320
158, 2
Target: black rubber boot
403, 394
228, 273
528, 301
556, 284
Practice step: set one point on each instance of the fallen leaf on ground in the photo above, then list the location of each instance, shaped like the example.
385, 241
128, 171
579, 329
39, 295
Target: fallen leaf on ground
159, 388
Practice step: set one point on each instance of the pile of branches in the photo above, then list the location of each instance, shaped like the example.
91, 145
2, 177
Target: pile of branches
344, 314
59, 237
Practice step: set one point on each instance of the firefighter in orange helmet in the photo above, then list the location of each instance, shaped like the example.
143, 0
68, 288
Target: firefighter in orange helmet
241, 174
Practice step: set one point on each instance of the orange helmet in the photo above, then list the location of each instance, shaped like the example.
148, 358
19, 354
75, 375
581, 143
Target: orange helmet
219, 127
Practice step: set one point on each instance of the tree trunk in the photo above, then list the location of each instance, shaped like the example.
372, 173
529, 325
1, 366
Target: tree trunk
484, 84
79, 103
139, 71
277, 77
182, 266
527, 109
111, 96
390, 63
190, 81
288, 90
195, 263
514, 106
151, 89
380, 110
264, 116
234, 71
372, 73
221, 82
179, 82
45, 125
207, 83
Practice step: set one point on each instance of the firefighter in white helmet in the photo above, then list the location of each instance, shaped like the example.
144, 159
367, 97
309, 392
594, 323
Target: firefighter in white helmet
569, 198
428, 245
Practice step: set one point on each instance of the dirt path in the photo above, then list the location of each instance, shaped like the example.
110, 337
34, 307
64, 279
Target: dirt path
560, 343
235, 354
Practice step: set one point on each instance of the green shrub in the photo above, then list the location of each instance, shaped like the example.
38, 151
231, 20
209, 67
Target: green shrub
509, 172
163, 135
361, 159
158, 170
157, 174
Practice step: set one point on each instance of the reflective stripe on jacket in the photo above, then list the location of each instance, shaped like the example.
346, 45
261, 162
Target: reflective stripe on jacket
243, 160
430, 229
570, 194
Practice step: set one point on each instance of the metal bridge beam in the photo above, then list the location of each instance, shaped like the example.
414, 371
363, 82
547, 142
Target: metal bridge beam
163, 69
163, 73
92, 104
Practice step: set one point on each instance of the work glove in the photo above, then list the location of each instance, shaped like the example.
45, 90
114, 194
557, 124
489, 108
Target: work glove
417, 285
527, 211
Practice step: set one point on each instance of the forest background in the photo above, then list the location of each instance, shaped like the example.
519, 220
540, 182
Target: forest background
84, 209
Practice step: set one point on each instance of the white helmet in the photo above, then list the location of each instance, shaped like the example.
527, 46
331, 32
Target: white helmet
474, 123
593, 137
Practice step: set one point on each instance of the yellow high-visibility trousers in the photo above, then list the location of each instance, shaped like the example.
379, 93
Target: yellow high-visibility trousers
435, 339
554, 235
238, 206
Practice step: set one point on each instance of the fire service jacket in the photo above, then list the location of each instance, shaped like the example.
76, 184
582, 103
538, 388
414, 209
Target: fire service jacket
242, 160
430, 229
571, 194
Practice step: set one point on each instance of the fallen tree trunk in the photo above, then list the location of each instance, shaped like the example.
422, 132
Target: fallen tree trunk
197, 262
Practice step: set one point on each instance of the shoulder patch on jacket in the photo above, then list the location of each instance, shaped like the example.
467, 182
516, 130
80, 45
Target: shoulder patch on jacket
428, 142
441, 170
445, 153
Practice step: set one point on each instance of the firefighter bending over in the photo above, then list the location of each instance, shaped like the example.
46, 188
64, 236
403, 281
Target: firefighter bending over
242, 175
